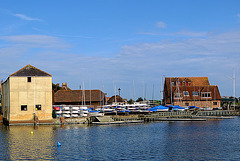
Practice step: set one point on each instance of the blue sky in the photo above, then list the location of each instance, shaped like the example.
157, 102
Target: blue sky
127, 44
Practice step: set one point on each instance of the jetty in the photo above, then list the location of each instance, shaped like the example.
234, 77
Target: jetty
107, 120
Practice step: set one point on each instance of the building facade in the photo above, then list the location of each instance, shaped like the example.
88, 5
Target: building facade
27, 95
191, 91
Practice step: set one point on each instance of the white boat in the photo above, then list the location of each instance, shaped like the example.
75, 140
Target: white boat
75, 112
74, 115
66, 108
66, 112
75, 108
66, 115
58, 112
83, 115
95, 113
84, 111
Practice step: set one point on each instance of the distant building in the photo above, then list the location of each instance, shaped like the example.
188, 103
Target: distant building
116, 99
228, 102
27, 94
190, 91
92, 98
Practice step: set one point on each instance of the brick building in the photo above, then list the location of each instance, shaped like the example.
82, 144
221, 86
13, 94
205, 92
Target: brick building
190, 91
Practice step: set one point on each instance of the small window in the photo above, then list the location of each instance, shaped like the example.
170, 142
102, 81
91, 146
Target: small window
195, 93
173, 84
186, 104
214, 103
23, 107
177, 95
38, 107
206, 94
28, 79
185, 93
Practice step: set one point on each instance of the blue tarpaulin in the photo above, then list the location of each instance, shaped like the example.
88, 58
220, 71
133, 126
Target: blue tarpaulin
158, 108
193, 107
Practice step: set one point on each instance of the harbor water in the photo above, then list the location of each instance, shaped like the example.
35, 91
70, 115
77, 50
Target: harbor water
205, 140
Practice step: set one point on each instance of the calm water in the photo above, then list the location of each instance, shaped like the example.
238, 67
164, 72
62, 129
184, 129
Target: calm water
210, 140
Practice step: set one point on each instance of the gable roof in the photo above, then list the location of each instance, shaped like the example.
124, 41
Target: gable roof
29, 70
77, 95
195, 81
112, 99
190, 84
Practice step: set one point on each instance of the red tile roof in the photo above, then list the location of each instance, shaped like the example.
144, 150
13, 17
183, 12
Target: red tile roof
78, 95
189, 84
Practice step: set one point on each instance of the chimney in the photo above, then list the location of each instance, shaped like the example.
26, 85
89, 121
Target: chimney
64, 85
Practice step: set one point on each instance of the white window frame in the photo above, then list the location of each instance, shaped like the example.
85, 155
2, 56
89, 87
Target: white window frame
194, 94
206, 96
184, 94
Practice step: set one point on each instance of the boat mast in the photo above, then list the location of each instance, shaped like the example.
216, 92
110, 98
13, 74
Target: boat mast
171, 89
234, 87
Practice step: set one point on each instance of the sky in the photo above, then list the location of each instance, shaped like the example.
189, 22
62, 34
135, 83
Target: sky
126, 44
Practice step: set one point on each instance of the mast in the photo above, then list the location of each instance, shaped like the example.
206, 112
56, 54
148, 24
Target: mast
234, 88
104, 94
90, 94
134, 91
171, 89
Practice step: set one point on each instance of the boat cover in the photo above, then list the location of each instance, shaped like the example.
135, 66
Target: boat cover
156, 108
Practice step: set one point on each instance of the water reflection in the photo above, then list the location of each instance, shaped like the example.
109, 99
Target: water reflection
210, 140
21, 144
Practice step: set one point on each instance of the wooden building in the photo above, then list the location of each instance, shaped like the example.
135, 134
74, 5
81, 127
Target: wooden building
190, 91
92, 98
27, 95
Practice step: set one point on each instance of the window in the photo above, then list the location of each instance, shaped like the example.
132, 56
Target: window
185, 93
23, 107
28, 79
206, 94
173, 83
214, 103
186, 104
177, 95
195, 93
38, 107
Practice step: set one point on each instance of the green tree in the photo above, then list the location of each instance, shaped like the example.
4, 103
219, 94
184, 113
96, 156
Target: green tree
139, 99
130, 101
55, 87
54, 115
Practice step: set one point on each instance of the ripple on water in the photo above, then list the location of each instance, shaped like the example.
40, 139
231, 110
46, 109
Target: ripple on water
210, 140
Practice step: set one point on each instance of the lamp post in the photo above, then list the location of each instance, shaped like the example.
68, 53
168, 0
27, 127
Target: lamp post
119, 89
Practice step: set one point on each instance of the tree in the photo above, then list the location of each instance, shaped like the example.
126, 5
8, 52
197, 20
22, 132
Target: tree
139, 99
54, 115
130, 101
55, 87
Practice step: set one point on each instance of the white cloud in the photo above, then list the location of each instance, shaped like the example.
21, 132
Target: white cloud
36, 41
176, 34
213, 55
161, 24
24, 17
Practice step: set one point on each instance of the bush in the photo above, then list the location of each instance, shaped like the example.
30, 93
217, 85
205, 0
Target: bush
54, 115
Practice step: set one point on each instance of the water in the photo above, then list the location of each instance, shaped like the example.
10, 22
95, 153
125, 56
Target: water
210, 140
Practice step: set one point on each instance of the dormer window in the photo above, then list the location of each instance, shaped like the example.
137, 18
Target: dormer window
195, 93
29, 79
185, 93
